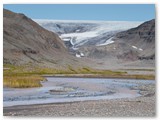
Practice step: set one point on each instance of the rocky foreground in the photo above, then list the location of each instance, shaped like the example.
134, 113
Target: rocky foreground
144, 106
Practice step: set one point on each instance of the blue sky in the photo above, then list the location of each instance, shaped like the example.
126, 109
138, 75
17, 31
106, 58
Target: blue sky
106, 12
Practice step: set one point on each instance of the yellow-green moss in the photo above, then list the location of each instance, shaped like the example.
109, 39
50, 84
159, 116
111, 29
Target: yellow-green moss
22, 81
29, 76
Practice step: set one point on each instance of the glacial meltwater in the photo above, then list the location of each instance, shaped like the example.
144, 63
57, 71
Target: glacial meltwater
65, 89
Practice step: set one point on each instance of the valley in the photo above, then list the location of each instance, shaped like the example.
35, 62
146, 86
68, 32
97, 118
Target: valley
52, 65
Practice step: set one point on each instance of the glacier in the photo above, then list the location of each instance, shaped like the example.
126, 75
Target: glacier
84, 33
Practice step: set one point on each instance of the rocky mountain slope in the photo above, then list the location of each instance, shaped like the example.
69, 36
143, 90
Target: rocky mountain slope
24, 41
141, 38
134, 44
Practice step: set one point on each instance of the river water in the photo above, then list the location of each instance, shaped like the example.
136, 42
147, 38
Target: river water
61, 90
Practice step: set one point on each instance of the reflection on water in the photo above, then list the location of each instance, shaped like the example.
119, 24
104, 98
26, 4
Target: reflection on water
59, 90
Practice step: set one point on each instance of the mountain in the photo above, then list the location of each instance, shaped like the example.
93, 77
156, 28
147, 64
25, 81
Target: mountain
103, 45
108, 43
134, 44
141, 38
24, 41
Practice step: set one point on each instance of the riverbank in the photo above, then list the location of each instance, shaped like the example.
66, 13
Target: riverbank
103, 76
143, 106
138, 107
30, 76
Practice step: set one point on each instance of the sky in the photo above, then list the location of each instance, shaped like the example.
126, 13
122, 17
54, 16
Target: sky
100, 12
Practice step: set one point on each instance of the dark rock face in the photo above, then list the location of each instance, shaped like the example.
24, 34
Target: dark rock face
145, 32
25, 41
143, 37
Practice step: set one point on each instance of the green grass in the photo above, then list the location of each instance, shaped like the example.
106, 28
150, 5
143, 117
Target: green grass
22, 81
28, 76
139, 69
146, 77
20, 77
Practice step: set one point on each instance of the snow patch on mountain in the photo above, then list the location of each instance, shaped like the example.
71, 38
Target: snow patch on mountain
134, 47
137, 48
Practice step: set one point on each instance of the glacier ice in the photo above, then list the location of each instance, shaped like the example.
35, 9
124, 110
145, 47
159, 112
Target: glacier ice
86, 32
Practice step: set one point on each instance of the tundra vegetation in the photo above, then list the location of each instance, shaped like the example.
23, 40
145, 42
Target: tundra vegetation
30, 76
